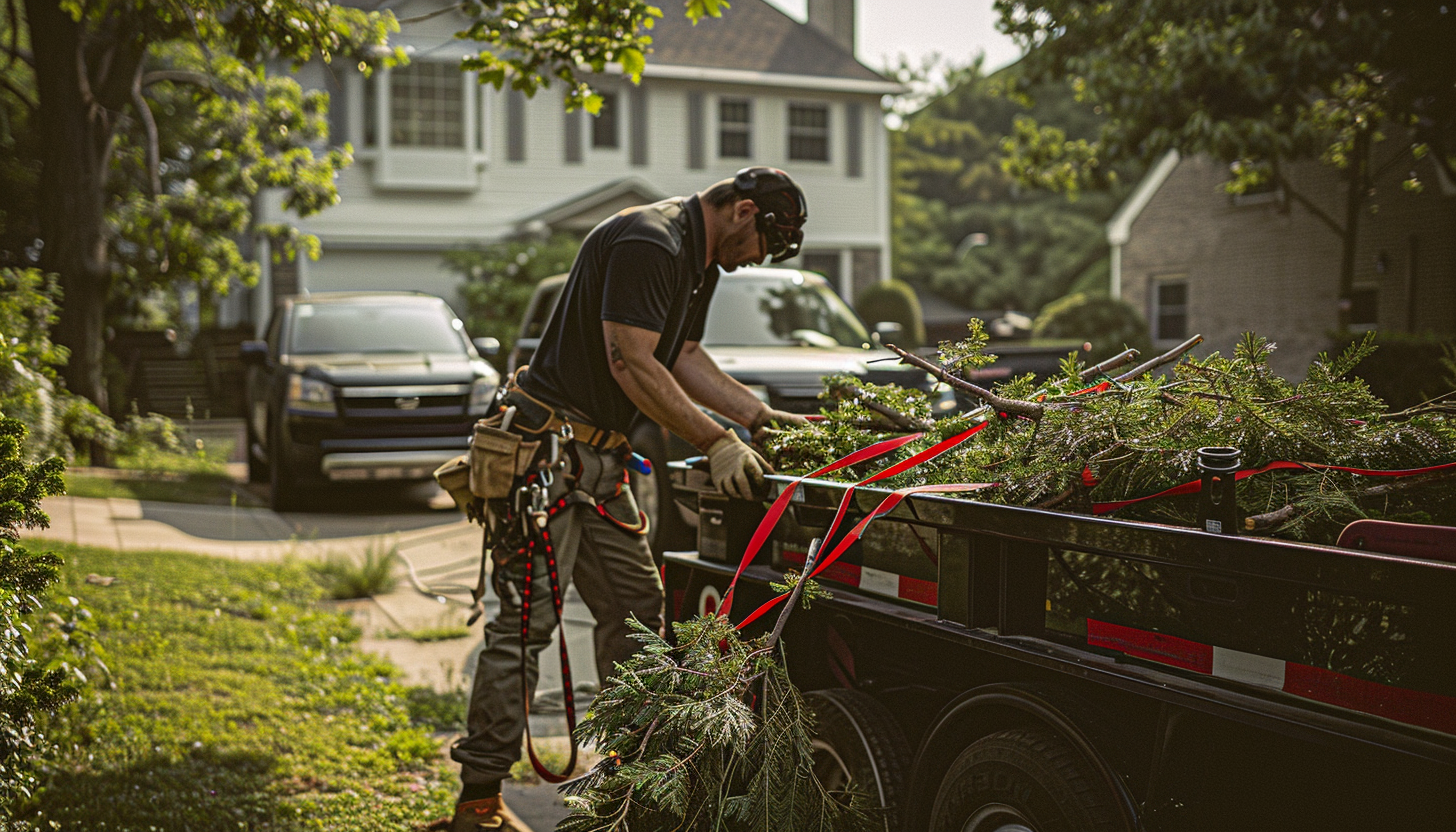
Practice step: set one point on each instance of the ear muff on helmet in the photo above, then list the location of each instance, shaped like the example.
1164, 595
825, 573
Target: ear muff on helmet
782, 209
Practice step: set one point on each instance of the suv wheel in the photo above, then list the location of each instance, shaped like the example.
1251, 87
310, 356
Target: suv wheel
283, 491
257, 458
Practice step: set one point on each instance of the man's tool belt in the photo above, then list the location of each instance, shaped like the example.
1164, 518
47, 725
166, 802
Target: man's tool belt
501, 454
535, 417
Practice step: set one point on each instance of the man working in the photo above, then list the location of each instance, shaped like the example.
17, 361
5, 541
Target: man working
621, 344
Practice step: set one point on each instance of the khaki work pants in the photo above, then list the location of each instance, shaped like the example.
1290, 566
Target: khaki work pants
615, 576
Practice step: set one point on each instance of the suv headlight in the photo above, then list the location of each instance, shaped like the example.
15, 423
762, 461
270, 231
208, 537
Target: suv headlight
482, 394
309, 395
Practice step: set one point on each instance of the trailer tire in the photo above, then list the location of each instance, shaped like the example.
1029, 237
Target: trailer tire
857, 741
1023, 779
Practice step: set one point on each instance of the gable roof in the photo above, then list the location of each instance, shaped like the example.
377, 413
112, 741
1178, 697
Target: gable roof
582, 211
753, 36
1119, 228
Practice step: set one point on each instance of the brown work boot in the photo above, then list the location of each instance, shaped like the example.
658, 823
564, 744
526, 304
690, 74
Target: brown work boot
488, 815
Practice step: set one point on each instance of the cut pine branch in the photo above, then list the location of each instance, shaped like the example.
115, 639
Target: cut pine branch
1013, 407
900, 421
1166, 358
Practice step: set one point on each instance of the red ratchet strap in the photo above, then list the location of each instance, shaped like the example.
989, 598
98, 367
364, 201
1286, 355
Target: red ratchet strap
898, 468
779, 505
544, 536
885, 507
1197, 485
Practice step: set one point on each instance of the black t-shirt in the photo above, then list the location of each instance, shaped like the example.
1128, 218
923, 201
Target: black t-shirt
642, 267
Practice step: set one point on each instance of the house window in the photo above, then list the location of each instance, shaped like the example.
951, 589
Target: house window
1364, 308
825, 263
1170, 309
604, 125
735, 128
809, 132
427, 105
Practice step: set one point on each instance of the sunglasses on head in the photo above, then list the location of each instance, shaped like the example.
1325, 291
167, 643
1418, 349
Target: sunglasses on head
781, 241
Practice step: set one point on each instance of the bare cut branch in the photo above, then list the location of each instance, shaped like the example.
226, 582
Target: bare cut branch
1269, 520
154, 153
178, 76
1404, 483
897, 419
1166, 358
1124, 357
809, 560
1012, 406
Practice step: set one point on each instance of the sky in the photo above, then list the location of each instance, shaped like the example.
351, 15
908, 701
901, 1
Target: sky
957, 29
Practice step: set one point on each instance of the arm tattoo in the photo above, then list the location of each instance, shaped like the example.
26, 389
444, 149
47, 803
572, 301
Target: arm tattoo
616, 352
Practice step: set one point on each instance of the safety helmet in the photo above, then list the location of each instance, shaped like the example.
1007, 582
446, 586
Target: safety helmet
781, 208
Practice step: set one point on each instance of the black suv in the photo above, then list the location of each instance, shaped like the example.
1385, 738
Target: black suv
779, 332
361, 386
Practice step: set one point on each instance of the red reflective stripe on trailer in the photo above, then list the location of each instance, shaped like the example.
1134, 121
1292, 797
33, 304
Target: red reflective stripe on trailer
1157, 647
875, 580
1413, 707
841, 573
919, 591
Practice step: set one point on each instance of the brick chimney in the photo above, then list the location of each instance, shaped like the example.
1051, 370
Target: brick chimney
834, 18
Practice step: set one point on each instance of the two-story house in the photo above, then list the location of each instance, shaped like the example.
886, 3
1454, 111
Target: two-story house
444, 162
1197, 260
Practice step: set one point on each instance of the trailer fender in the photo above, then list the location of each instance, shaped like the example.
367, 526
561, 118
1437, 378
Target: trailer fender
997, 707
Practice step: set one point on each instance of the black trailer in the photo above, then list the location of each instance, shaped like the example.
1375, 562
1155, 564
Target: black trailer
986, 667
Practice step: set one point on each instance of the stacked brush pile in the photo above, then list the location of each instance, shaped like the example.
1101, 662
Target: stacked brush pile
1094, 438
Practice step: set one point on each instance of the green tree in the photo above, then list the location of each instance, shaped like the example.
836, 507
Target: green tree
966, 229
146, 130
500, 278
1255, 83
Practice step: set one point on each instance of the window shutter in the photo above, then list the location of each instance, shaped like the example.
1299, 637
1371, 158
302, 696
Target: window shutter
854, 139
516, 126
573, 136
637, 107
695, 131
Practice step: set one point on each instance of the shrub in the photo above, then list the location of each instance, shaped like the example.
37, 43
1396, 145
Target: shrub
30, 686
500, 278
1407, 369
893, 300
343, 578
1107, 323
30, 390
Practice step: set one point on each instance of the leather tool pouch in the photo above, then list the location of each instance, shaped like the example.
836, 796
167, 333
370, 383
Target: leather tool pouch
497, 458
454, 477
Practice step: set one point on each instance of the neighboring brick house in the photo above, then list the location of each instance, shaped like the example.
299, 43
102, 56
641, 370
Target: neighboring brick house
443, 162
1196, 260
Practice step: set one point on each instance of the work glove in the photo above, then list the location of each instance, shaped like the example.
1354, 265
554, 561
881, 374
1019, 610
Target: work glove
736, 468
769, 421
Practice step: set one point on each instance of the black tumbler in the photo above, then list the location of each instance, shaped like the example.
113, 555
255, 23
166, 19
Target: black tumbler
1218, 510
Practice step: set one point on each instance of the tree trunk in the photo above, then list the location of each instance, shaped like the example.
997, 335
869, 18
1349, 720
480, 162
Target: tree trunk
1356, 194
78, 117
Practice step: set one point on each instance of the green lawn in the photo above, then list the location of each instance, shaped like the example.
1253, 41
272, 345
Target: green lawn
204, 489
224, 699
